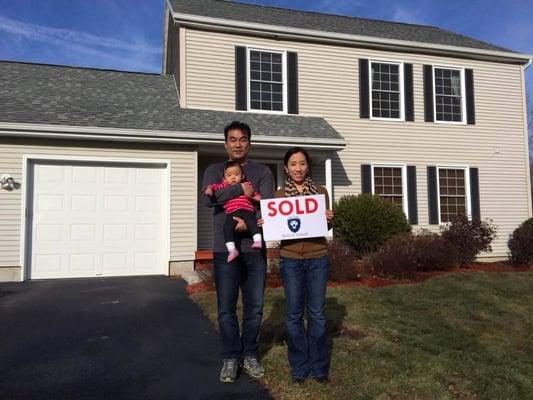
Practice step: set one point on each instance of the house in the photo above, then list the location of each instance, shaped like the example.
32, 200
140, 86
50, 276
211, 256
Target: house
106, 164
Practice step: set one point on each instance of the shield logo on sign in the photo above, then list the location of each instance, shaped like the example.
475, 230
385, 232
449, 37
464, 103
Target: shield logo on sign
294, 224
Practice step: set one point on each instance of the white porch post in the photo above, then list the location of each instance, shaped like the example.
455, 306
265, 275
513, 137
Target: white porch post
329, 187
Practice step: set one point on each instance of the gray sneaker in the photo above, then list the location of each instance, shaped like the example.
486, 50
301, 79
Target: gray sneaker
253, 367
228, 373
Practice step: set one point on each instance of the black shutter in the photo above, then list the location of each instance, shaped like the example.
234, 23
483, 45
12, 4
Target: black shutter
433, 203
240, 79
411, 195
474, 193
366, 178
364, 106
470, 105
428, 93
292, 82
408, 92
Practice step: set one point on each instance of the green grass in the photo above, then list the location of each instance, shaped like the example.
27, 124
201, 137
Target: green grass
459, 336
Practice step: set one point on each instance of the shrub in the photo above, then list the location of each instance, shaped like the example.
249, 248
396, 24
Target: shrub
394, 259
344, 265
406, 253
469, 237
521, 244
366, 222
431, 252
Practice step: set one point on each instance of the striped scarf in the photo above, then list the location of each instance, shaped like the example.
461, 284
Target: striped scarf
291, 190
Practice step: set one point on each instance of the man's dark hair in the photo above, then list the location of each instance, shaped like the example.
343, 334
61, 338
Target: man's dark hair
232, 163
244, 128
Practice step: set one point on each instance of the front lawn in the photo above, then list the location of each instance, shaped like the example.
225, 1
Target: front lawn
459, 336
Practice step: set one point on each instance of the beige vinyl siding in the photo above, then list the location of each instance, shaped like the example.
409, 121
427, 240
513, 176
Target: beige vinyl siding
183, 176
328, 87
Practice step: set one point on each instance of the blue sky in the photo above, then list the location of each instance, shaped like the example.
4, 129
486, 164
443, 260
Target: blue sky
127, 35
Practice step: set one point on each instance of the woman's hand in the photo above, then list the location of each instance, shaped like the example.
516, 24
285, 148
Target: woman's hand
329, 215
260, 222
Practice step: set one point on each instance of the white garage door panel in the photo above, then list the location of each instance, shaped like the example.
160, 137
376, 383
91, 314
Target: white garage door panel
94, 220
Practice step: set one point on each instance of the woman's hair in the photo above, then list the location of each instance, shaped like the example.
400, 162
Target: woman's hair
296, 150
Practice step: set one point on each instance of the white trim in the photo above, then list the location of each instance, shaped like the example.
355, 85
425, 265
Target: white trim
463, 96
283, 77
526, 139
284, 32
401, 87
405, 193
329, 187
182, 67
166, 17
154, 136
29, 158
468, 203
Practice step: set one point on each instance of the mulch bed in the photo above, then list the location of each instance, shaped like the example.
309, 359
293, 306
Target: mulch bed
275, 281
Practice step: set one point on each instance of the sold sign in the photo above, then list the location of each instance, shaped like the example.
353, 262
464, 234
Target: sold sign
294, 217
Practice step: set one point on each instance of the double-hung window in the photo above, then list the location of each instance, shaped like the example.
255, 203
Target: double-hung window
389, 183
386, 83
267, 80
453, 193
449, 92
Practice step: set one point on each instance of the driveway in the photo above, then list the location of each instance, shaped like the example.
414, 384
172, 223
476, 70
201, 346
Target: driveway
113, 338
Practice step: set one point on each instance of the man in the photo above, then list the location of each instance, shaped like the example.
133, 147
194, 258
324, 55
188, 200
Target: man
248, 270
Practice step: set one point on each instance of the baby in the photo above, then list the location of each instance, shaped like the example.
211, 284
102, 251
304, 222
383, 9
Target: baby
241, 207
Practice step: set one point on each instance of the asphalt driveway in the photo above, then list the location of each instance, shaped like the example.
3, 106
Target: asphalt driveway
113, 338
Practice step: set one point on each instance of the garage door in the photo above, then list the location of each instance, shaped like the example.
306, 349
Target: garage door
90, 219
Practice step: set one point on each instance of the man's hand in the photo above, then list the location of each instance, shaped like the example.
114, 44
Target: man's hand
248, 189
260, 222
329, 215
241, 225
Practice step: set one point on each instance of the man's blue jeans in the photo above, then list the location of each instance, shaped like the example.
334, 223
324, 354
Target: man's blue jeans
247, 272
305, 282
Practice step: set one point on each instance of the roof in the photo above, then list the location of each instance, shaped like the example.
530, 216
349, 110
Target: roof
59, 95
327, 23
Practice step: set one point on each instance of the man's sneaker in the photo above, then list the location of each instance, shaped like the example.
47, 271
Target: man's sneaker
252, 367
230, 368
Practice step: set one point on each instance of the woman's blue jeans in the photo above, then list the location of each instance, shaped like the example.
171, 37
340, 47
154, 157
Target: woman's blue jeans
304, 281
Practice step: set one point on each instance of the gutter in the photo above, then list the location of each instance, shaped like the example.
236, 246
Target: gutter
155, 136
284, 32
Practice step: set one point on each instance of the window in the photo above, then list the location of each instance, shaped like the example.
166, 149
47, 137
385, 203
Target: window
386, 81
266, 81
452, 193
449, 95
389, 184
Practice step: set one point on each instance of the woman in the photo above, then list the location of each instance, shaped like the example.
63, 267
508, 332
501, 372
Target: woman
304, 268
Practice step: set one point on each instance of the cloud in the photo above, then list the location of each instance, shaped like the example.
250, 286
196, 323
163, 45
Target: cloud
88, 47
340, 7
409, 15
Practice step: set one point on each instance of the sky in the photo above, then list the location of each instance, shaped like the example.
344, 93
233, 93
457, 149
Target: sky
127, 35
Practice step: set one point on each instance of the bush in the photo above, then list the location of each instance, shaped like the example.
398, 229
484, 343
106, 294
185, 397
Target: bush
431, 252
365, 222
394, 259
406, 253
521, 244
344, 265
469, 237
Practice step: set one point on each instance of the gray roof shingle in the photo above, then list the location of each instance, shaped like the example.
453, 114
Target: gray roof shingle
59, 95
327, 22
